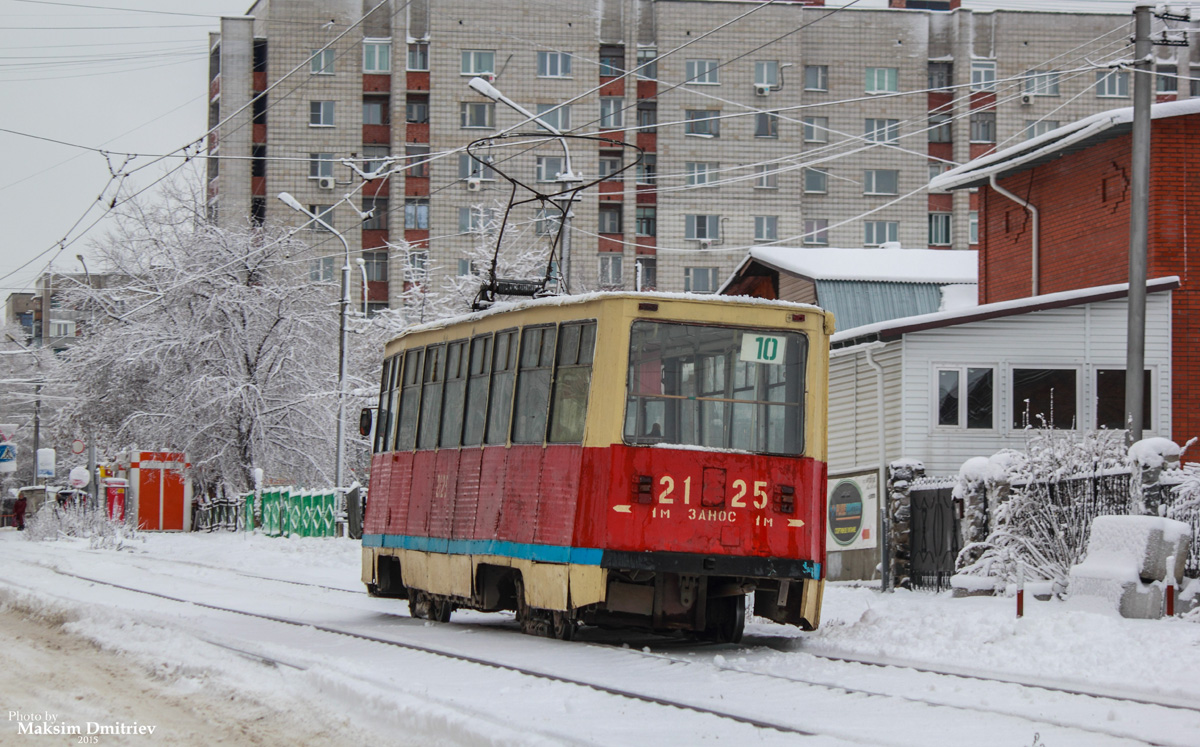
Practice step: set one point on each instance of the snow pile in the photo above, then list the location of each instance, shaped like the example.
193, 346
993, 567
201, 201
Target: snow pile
1155, 453
1129, 559
53, 522
959, 296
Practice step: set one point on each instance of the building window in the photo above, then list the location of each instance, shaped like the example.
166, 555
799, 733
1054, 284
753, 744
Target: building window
766, 125
324, 215
936, 168
699, 280
881, 182
416, 213
973, 408
766, 177
816, 129
1043, 398
471, 168
377, 56
816, 77
941, 76
881, 80
320, 114
1112, 84
879, 232
1110, 399
702, 227
378, 208
1033, 128
610, 219
647, 221
549, 167
554, 65
557, 116
321, 62
983, 75
610, 163
477, 219
701, 72
766, 227
881, 130
647, 64
1041, 83
612, 110
983, 127
816, 181
973, 227
476, 114
612, 61
647, 168
377, 110
375, 158
319, 165
702, 122
700, 173
376, 265
418, 56
416, 108
547, 221
258, 211
320, 270
478, 61
647, 116
417, 263
816, 231
940, 128
417, 159
611, 269
467, 267
259, 109
645, 273
62, 328
1166, 81
939, 229
766, 73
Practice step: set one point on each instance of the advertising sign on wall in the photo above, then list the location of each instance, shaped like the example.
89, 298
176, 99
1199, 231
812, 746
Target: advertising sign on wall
853, 512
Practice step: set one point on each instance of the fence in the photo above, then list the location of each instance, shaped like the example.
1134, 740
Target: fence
218, 514
935, 537
305, 513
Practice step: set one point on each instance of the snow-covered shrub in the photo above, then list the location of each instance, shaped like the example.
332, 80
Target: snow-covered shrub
53, 522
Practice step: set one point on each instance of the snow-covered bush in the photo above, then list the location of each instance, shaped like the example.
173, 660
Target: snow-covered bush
52, 522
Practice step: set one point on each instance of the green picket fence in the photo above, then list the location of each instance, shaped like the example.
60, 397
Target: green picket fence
288, 513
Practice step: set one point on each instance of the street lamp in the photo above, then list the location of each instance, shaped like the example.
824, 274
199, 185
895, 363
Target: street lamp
294, 204
567, 177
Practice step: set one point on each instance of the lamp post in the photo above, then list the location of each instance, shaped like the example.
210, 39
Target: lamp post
93, 484
294, 204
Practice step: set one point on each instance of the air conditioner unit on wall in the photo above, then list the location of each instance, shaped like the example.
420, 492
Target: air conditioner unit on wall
706, 243
474, 184
1026, 100
326, 182
762, 89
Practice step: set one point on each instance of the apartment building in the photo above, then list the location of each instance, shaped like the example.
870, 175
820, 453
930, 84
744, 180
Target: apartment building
787, 123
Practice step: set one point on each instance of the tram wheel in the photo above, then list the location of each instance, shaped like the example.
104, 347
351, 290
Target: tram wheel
418, 605
726, 619
563, 626
440, 609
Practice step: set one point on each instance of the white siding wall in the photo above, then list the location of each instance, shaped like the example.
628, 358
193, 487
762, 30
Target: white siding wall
853, 424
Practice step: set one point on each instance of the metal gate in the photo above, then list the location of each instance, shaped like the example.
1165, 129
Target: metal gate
935, 539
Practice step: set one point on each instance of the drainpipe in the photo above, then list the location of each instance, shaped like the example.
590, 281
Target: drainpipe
881, 490
1034, 254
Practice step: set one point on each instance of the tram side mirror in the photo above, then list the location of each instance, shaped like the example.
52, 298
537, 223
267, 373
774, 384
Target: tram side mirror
364, 422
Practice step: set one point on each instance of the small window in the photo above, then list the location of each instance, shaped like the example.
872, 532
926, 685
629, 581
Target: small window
504, 368
1167, 80
766, 73
557, 116
700, 280
410, 400
766, 124
378, 220
375, 158
1110, 399
376, 263
701, 72
702, 122
477, 220
647, 114
62, 328
478, 61
549, 167
612, 61
319, 165
816, 77
1112, 84
881, 130
611, 270
646, 273
416, 213
702, 227
416, 264
766, 177
647, 221
377, 56
973, 227
432, 384
939, 229
1041, 83
983, 127
937, 168
416, 157
940, 128
1044, 398
416, 108
612, 112
471, 168
1033, 128
983, 75
572, 379
546, 221
941, 76
377, 110
879, 232
321, 62
881, 80
477, 114
467, 267
881, 182
647, 64
532, 400
320, 270
610, 164
320, 114
700, 173
647, 168
478, 373
975, 409
816, 231
766, 227
816, 181
454, 395
816, 129
418, 56
610, 219
554, 65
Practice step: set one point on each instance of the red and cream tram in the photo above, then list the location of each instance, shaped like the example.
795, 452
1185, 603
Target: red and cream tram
641, 460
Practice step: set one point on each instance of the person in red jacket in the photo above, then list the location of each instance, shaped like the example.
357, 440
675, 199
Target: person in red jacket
19, 511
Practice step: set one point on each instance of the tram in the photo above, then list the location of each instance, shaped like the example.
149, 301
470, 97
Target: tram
637, 460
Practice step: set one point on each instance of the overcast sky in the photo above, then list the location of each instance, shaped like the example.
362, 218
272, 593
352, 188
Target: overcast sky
128, 76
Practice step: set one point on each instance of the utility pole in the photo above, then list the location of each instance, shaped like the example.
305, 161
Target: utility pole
1139, 218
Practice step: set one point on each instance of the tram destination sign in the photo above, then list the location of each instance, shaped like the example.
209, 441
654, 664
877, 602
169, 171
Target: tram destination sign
762, 348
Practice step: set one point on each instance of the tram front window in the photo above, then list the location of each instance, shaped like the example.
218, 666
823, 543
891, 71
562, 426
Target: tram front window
716, 387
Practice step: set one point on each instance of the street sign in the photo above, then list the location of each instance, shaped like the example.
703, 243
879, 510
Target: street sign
77, 446
45, 463
79, 478
8, 457
8, 431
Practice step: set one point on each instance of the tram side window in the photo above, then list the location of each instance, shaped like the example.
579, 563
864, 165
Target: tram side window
475, 412
533, 384
455, 394
504, 364
386, 427
410, 401
573, 376
431, 396
386, 385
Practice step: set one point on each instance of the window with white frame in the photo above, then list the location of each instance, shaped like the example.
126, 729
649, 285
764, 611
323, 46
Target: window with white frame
700, 280
612, 269
937, 168
416, 213
879, 232
816, 129
816, 231
701, 71
1041, 82
766, 124
940, 128
319, 165
554, 65
476, 219
377, 56
1166, 79
702, 227
700, 173
881, 182
881, 80
702, 122
320, 270
1044, 398
418, 263
378, 220
881, 130
816, 181
766, 73
547, 221
478, 61
477, 114
416, 157
609, 220
321, 62
940, 76
612, 60
416, 108
467, 266
766, 176
324, 214
983, 127
557, 116
549, 167
939, 229
647, 221
470, 167
766, 227
320, 114
1110, 399
62, 328
610, 163
375, 157
1112, 84
645, 273
1033, 127
647, 169
376, 110
647, 116
612, 112
983, 75
647, 64
973, 227
816, 77
966, 397
418, 56
376, 266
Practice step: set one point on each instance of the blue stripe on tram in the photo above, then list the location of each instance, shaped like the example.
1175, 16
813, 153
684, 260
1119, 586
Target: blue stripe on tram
524, 551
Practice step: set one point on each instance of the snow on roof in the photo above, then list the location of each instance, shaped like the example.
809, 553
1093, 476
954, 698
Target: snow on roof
1055, 140
895, 265
896, 327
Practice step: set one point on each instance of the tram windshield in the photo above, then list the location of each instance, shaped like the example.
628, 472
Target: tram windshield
716, 387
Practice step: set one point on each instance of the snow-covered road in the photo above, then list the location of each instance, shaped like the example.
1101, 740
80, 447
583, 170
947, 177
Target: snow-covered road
309, 644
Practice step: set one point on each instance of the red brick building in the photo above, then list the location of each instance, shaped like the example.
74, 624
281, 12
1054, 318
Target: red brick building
1077, 179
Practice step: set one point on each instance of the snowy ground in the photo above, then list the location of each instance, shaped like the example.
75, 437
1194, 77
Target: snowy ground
204, 676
